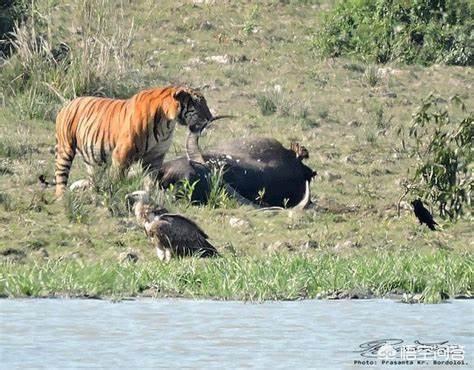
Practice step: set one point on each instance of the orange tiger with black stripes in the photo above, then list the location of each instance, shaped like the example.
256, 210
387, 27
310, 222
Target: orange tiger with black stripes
125, 130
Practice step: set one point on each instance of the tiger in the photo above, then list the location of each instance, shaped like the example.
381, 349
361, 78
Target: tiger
124, 131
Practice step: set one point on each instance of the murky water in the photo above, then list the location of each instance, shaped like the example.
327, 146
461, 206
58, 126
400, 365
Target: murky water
205, 334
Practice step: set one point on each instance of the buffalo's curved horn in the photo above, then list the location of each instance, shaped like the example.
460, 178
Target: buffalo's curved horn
306, 198
193, 153
215, 118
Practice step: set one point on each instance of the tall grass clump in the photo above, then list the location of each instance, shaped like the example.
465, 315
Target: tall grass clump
76, 207
434, 275
441, 141
6, 202
276, 102
218, 196
267, 104
111, 189
418, 31
44, 71
213, 190
14, 146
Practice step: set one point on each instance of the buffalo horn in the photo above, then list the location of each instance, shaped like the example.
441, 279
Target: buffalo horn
306, 198
215, 118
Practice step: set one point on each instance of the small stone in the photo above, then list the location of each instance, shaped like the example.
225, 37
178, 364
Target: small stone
349, 159
149, 292
220, 59
390, 94
330, 176
206, 25
41, 253
13, 254
405, 205
80, 185
310, 244
72, 256
348, 244
463, 296
279, 246
208, 2
238, 223
353, 123
396, 155
195, 61
128, 256
412, 298
338, 294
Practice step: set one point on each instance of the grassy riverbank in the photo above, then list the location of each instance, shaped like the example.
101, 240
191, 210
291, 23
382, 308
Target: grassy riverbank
259, 63
430, 276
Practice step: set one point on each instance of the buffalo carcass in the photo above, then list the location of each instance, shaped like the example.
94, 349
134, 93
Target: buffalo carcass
256, 171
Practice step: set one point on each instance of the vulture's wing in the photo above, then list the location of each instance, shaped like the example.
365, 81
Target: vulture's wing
182, 234
181, 220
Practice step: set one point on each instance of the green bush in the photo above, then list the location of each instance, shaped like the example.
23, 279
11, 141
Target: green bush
11, 12
442, 143
416, 31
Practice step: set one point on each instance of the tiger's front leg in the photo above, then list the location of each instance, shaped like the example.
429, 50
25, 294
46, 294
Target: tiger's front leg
122, 157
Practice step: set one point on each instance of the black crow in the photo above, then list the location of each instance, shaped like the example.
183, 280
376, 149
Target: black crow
423, 215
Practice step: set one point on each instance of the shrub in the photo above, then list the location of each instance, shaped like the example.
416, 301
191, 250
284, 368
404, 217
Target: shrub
76, 209
6, 201
11, 12
443, 146
218, 196
418, 31
111, 188
266, 104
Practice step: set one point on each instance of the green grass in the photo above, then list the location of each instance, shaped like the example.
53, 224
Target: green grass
275, 87
280, 276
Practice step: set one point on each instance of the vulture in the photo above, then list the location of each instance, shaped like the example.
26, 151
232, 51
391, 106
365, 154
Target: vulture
423, 215
172, 234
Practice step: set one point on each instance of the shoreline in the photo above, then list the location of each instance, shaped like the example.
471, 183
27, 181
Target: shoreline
411, 276
397, 298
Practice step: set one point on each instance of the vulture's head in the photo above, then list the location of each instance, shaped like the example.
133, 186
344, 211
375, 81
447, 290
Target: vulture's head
137, 196
139, 201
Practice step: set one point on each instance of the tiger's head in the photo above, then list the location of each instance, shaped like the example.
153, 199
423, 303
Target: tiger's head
193, 111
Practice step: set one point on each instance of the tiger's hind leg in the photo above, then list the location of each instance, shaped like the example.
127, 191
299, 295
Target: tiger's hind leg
64, 156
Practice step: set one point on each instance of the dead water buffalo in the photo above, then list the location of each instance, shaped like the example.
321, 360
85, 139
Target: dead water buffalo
260, 170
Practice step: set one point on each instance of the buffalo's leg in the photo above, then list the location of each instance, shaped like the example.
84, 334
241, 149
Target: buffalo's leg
167, 254
160, 252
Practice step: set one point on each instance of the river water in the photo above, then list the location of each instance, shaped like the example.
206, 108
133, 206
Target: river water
178, 333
